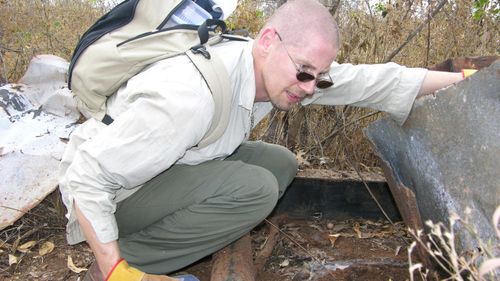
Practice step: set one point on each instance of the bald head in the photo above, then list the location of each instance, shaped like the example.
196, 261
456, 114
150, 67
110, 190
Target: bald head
301, 37
300, 21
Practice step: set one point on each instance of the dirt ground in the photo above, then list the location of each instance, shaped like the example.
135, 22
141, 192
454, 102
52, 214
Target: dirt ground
24, 254
306, 250
324, 250
35, 248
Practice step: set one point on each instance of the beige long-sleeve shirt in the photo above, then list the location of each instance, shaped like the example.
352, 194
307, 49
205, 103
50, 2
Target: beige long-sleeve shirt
163, 112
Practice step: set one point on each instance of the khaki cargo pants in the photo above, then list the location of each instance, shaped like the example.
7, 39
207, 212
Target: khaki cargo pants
189, 212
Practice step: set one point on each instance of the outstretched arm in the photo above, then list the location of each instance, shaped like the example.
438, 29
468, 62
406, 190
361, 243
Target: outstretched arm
389, 87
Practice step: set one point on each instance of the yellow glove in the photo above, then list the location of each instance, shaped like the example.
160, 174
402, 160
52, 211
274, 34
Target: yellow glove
123, 272
468, 72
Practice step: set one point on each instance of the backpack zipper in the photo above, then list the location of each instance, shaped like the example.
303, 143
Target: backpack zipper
145, 34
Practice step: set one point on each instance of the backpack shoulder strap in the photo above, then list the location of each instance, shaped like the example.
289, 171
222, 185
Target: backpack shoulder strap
215, 75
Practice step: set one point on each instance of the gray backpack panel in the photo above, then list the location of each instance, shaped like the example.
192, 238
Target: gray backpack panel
129, 38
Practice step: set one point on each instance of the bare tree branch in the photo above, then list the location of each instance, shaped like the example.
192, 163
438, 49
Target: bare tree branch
416, 31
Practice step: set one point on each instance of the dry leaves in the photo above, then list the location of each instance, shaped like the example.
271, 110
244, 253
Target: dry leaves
356, 228
302, 158
285, 263
333, 238
46, 248
12, 259
24, 248
73, 267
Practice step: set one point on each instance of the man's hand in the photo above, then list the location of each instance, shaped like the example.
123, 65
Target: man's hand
108, 260
468, 72
124, 272
451, 71
459, 63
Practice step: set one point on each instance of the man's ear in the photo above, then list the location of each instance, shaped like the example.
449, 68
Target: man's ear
265, 40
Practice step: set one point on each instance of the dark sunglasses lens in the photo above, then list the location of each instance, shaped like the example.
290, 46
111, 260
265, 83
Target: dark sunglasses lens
304, 76
323, 84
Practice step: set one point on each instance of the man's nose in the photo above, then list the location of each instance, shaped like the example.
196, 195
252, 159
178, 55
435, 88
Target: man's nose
308, 87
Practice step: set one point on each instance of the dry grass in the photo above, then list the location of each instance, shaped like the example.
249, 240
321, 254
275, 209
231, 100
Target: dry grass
368, 37
31, 27
452, 32
457, 265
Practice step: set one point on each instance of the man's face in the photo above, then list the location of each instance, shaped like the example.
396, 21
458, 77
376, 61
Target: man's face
284, 61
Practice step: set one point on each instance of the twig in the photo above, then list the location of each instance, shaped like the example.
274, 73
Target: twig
272, 239
9, 49
32, 231
3, 77
271, 128
335, 132
369, 190
322, 142
416, 31
427, 50
21, 211
315, 137
374, 26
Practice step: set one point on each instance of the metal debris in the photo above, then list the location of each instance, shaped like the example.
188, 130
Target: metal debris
32, 140
445, 158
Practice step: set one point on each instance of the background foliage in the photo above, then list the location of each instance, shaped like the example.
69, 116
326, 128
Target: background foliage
416, 33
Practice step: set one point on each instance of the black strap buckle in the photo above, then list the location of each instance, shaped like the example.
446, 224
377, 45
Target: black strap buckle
107, 119
200, 49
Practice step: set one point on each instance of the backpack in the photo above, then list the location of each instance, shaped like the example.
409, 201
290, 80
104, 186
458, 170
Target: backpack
135, 34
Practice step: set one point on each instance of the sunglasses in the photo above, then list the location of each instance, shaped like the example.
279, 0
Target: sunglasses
323, 81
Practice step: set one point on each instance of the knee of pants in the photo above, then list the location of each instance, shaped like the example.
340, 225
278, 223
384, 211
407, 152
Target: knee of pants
285, 165
258, 191
287, 159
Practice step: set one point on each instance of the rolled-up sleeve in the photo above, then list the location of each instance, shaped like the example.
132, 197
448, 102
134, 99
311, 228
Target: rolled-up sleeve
389, 87
154, 131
